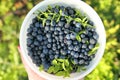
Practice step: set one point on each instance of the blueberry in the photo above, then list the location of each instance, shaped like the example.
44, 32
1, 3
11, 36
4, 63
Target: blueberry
47, 22
63, 52
32, 45
91, 46
76, 48
92, 41
50, 52
52, 28
61, 37
58, 28
69, 42
29, 30
66, 31
57, 56
45, 51
58, 47
56, 32
86, 63
57, 52
70, 47
72, 53
34, 34
51, 57
76, 55
37, 24
81, 61
62, 18
29, 41
68, 36
43, 59
53, 48
92, 56
49, 40
82, 35
84, 46
77, 29
85, 57
48, 35
81, 55
46, 66
71, 11
61, 24
56, 10
36, 43
78, 25
75, 42
45, 42
62, 57
67, 25
53, 23
95, 36
42, 55
47, 28
39, 37
90, 22
68, 51
62, 8
73, 35
49, 45
75, 61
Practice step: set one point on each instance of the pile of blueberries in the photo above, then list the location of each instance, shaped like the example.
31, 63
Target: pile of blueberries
58, 39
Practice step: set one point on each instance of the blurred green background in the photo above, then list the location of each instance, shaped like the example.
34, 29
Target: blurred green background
12, 13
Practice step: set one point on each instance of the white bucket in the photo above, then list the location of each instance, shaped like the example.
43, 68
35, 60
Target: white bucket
75, 4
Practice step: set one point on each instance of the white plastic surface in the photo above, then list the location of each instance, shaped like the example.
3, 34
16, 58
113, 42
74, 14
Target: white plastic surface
85, 8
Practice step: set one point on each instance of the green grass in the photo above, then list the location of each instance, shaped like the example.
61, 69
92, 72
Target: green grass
12, 13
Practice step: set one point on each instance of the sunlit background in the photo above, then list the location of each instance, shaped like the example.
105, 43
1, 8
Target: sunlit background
12, 13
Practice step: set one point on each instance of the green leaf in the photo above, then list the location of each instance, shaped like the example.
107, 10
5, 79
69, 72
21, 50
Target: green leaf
60, 73
78, 69
54, 62
51, 69
78, 37
78, 20
41, 67
43, 23
66, 74
66, 62
60, 60
63, 66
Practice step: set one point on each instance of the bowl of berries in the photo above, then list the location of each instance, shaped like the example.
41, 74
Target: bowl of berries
62, 39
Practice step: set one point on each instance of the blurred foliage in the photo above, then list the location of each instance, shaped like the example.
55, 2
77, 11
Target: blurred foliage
12, 13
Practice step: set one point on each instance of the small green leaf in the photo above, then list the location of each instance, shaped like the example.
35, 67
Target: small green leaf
66, 62
84, 20
41, 67
78, 20
78, 69
60, 73
66, 74
43, 23
54, 62
63, 66
51, 69
60, 60
78, 37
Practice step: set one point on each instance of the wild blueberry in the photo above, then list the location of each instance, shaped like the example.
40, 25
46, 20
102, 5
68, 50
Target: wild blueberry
70, 47
39, 37
78, 25
73, 35
92, 41
75, 61
37, 24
